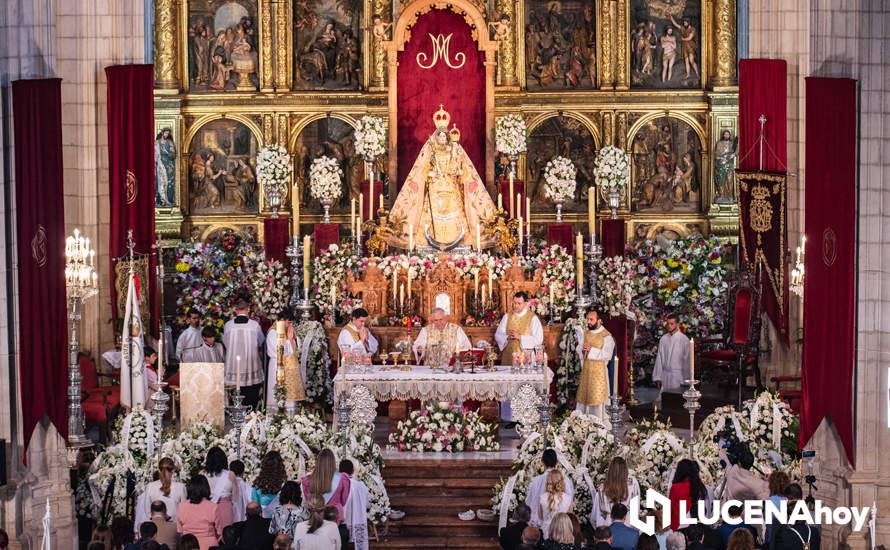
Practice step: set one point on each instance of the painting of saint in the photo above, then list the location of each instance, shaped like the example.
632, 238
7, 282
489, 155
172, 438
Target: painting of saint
725, 153
327, 45
666, 167
560, 44
665, 44
222, 46
165, 169
560, 136
222, 169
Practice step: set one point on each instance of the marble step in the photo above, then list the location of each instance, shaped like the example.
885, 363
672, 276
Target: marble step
415, 505
443, 543
442, 525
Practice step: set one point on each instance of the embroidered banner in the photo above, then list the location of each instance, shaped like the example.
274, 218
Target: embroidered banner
762, 235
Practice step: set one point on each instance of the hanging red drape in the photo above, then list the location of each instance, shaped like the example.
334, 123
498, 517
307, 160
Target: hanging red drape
614, 237
131, 169
40, 235
460, 90
276, 237
829, 307
762, 93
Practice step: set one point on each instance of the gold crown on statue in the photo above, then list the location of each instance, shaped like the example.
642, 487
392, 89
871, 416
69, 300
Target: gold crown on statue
454, 133
441, 118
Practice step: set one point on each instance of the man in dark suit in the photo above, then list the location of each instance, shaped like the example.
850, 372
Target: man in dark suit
800, 535
623, 536
602, 538
511, 535
695, 538
254, 531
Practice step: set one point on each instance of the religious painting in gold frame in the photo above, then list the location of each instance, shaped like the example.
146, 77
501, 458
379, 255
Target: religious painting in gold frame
560, 44
560, 135
666, 167
665, 44
333, 137
222, 169
223, 45
327, 44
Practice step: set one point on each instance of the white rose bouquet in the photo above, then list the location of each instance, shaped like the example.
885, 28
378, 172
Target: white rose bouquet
325, 180
269, 285
370, 137
559, 174
510, 135
611, 168
273, 166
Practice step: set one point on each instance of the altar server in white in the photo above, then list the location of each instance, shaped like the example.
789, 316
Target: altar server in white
441, 332
210, 351
244, 339
672, 361
518, 330
538, 484
355, 511
191, 338
356, 336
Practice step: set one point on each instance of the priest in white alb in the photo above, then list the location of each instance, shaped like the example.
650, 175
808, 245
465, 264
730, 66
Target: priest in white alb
191, 338
355, 336
243, 339
441, 332
518, 330
672, 361
595, 349
292, 373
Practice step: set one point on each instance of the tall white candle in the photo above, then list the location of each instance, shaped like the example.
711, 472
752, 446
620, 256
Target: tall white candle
692, 358
478, 238
161, 356
238, 373
361, 210
352, 216
615, 375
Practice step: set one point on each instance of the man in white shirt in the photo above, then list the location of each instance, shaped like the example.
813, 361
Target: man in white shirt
538, 484
190, 338
595, 349
210, 351
243, 339
518, 330
355, 336
443, 333
672, 361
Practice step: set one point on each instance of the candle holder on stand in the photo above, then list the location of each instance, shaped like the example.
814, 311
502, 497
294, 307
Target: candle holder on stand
545, 413
582, 302
692, 403
159, 406
594, 253
343, 412
615, 411
304, 306
237, 416
294, 252
631, 400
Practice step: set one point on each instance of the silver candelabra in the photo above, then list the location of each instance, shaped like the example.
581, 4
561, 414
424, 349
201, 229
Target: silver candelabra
159, 402
692, 397
545, 413
237, 416
594, 253
343, 412
615, 410
294, 252
81, 282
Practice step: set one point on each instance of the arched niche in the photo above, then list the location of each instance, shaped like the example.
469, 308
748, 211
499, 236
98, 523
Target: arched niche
326, 135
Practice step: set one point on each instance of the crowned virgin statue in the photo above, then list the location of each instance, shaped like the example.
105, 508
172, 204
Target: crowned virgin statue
443, 199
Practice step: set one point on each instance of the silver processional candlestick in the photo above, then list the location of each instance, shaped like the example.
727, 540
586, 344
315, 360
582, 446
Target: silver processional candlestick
81, 282
691, 397
237, 416
294, 253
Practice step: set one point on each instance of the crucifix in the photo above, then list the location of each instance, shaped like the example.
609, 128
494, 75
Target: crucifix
762, 137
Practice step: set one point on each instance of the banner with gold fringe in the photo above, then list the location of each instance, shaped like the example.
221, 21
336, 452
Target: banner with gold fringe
762, 236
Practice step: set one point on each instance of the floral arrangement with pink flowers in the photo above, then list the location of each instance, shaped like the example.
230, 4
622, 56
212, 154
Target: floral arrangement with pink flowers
270, 286
444, 427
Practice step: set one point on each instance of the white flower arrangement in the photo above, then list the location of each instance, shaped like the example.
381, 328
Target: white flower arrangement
619, 287
370, 137
273, 167
442, 428
269, 285
559, 175
611, 168
510, 135
325, 179
557, 274
524, 406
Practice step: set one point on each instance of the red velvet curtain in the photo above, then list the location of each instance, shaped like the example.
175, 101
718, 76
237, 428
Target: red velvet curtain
762, 85
325, 234
420, 91
518, 189
762, 91
40, 235
829, 345
613, 236
276, 237
561, 234
131, 168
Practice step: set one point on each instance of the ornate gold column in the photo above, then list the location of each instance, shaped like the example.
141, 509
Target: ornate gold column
166, 73
283, 47
506, 70
268, 130
724, 43
378, 64
607, 72
608, 128
283, 130
622, 30
621, 132
265, 73
489, 116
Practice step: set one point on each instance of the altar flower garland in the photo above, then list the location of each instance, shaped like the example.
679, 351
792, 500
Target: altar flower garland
557, 275
510, 135
559, 175
273, 167
325, 179
444, 427
568, 370
611, 168
270, 288
370, 137
329, 281
619, 287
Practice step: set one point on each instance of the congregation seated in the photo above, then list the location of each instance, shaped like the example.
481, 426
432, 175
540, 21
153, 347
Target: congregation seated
619, 486
326, 482
198, 516
647, 542
229, 539
561, 535
189, 542
166, 528
531, 536
623, 536
164, 489
741, 539
147, 532
696, 538
254, 530
288, 511
223, 489
602, 538
727, 529
800, 535
675, 541
554, 500
282, 542
245, 491
538, 483
355, 511
511, 535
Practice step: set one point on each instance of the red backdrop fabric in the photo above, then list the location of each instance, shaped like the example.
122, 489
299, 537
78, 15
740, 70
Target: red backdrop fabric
617, 327
40, 230
763, 235
420, 91
762, 91
325, 234
614, 237
518, 189
276, 237
829, 346
561, 234
371, 204
131, 168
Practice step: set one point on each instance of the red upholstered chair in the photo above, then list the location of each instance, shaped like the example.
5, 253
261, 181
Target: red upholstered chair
734, 356
99, 403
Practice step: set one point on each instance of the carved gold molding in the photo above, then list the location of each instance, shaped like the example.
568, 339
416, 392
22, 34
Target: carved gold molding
607, 68
283, 45
506, 69
377, 64
622, 31
166, 74
622, 131
265, 8
724, 43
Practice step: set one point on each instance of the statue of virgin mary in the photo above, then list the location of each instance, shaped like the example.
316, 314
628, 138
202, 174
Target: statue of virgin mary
443, 199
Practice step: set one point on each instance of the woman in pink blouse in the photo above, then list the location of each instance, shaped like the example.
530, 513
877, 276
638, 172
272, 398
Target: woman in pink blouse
199, 515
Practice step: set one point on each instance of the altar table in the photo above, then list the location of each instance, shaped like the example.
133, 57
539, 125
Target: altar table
421, 382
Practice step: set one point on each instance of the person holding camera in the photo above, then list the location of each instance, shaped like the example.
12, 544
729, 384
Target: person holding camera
741, 483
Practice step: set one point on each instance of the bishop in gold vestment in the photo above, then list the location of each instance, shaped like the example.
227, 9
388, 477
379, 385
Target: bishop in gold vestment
442, 333
595, 348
